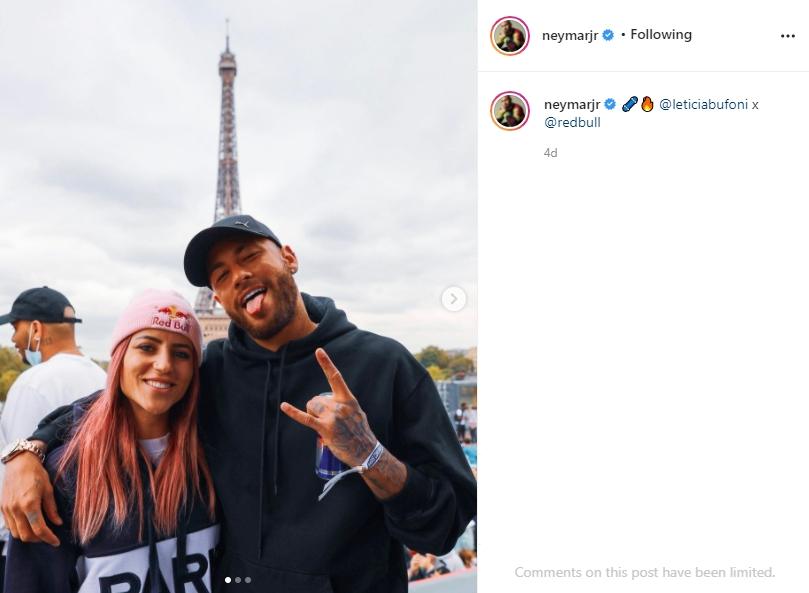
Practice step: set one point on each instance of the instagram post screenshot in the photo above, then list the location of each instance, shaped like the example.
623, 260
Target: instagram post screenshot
239, 297
643, 296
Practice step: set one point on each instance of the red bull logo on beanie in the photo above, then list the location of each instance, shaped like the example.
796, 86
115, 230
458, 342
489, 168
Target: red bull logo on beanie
171, 318
159, 309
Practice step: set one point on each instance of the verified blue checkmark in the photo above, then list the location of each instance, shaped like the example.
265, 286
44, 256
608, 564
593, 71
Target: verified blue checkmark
607, 34
609, 104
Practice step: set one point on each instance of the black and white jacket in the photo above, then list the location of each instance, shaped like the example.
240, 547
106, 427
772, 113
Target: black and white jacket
116, 560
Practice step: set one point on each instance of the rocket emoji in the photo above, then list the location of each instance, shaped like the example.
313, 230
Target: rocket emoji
647, 104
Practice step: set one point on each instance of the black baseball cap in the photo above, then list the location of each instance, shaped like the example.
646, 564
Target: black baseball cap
39, 304
195, 261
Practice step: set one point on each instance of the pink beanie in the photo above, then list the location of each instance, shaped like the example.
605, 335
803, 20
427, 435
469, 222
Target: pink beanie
159, 309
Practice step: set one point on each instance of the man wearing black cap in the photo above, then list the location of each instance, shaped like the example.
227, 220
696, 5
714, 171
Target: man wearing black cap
44, 322
319, 498
292, 526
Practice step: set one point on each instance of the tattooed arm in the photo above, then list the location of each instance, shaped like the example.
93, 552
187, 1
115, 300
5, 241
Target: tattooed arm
423, 480
343, 426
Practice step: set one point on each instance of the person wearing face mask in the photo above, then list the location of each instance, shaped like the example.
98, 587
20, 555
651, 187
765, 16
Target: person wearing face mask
44, 334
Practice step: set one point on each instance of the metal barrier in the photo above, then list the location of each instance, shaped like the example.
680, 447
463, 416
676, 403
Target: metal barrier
462, 581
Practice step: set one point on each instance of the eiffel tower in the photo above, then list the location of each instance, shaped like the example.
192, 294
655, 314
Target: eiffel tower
213, 319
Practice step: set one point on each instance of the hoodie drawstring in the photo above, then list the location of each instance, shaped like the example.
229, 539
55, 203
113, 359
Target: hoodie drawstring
154, 563
277, 441
278, 401
261, 466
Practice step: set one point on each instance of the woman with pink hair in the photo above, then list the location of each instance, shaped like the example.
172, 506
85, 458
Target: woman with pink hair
131, 481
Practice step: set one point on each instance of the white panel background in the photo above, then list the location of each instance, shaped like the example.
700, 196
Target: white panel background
644, 334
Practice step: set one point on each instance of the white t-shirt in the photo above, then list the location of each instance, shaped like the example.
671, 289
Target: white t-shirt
60, 380
155, 448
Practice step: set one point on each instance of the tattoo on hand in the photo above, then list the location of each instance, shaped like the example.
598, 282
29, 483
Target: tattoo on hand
352, 435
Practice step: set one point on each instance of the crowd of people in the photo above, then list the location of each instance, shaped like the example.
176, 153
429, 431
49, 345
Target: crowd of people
463, 556
465, 419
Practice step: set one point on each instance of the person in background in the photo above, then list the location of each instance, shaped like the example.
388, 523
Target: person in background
472, 423
44, 324
132, 482
460, 421
470, 450
468, 557
422, 566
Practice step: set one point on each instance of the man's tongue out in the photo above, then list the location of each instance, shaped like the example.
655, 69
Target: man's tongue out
254, 304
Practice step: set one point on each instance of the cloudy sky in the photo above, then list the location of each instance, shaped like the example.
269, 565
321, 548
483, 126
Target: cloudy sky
356, 146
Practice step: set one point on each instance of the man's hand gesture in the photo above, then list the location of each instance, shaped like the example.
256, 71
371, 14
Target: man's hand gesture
339, 420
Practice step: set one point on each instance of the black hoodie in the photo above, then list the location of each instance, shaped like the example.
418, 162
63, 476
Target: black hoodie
275, 532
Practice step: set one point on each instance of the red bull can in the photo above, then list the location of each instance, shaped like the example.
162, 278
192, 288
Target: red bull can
326, 464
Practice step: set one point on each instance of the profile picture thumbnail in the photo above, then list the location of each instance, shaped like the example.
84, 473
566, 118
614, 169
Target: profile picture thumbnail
510, 35
510, 110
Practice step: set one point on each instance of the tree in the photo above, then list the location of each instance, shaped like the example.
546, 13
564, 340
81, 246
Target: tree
6, 379
433, 356
11, 365
460, 364
10, 359
437, 373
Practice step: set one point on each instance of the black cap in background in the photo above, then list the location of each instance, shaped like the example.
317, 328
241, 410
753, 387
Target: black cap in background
39, 304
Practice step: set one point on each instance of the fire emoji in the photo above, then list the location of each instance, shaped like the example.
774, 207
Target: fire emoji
647, 104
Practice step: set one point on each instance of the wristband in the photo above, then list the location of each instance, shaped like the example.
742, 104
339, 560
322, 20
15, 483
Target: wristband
372, 459
365, 466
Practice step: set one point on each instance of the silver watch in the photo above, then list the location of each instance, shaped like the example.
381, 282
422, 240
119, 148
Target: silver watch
16, 447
